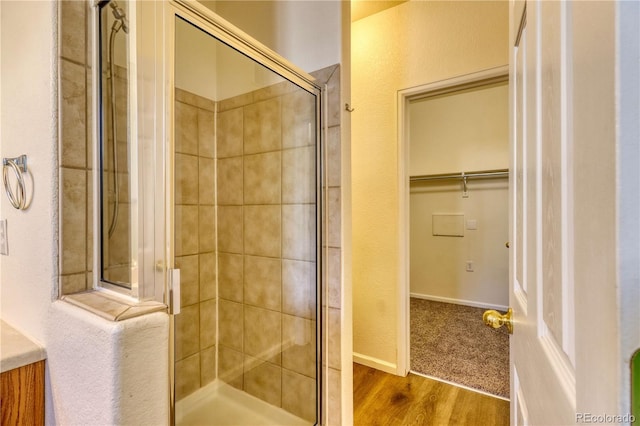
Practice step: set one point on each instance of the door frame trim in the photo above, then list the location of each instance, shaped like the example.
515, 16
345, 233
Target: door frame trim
480, 78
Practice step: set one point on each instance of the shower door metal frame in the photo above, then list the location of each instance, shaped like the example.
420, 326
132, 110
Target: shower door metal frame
206, 20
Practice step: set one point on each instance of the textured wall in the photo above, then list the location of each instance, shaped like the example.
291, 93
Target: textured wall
105, 372
409, 45
28, 126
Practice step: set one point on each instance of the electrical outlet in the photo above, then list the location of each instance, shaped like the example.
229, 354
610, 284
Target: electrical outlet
469, 266
4, 240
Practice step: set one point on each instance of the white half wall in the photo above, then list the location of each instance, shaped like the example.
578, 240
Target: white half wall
106, 373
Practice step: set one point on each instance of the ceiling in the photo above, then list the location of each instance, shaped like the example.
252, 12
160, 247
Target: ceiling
363, 8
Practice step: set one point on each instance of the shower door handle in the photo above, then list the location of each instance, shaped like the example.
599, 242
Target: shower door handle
174, 291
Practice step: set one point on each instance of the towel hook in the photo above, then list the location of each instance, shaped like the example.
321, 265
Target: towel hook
18, 197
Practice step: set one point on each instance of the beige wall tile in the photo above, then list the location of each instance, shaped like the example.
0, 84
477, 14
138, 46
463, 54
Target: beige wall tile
231, 367
298, 232
206, 133
230, 229
235, 102
207, 276
263, 380
72, 30
207, 365
230, 181
119, 249
186, 230
230, 324
231, 280
230, 133
207, 323
207, 228
334, 277
262, 127
73, 234
299, 395
262, 226
334, 413
334, 155
73, 113
189, 280
334, 211
185, 97
186, 170
186, 127
73, 283
187, 376
299, 175
263, 282
207, 181
187, 332
262, 178
263, 334
334, 338
335, 109
299, 345
323, 75
274, 90
299, 288
122, 105
298, 119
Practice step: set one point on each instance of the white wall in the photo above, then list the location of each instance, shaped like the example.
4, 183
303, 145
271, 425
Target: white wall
438, 262
307, 33
28, 125
462, 131
409, 45
195, 60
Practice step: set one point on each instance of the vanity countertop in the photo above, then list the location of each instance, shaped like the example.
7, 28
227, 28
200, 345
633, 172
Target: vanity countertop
17, 350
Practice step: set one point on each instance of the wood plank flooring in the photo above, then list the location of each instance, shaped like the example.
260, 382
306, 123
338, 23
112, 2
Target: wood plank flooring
385, 399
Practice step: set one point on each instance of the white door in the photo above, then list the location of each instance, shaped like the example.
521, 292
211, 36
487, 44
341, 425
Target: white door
566, 362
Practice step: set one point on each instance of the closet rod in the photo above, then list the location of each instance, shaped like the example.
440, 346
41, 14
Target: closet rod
483, 174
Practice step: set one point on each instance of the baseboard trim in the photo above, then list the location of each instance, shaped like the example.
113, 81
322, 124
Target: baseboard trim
459, 301
376, 363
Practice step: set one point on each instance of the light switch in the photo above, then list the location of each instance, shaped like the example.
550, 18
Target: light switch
472, 224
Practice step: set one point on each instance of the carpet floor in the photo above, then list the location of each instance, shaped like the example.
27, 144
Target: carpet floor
451, 342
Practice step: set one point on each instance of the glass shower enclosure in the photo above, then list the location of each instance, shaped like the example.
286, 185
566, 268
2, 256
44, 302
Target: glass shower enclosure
246, 209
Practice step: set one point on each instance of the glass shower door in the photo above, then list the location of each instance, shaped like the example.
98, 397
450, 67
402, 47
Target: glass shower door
246, 155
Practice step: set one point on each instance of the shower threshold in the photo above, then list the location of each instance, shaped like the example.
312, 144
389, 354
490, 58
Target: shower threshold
218, 404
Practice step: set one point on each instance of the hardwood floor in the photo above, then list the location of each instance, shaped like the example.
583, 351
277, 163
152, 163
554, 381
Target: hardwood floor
384, 399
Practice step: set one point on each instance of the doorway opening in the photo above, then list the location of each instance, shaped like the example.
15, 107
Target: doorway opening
454, 143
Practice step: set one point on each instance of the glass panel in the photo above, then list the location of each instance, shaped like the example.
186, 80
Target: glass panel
115, 148
245, 239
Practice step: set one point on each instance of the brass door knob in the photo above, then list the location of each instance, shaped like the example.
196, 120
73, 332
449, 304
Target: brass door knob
495, 319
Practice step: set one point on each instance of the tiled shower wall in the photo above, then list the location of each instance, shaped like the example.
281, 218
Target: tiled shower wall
195, 241
75, 150
266, 219
75, 154
332, 243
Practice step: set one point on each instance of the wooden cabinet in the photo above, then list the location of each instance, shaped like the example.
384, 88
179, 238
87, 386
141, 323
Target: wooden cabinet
22, 395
